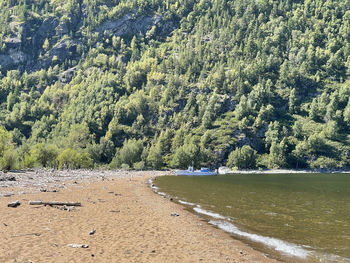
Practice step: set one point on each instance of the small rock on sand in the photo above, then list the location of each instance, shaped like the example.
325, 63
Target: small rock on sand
8, 179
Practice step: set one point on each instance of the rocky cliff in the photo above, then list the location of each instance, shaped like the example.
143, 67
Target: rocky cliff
41, 43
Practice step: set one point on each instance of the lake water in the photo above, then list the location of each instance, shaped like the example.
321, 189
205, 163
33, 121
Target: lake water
291, 217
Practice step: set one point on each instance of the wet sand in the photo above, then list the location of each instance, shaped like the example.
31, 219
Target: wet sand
132, 224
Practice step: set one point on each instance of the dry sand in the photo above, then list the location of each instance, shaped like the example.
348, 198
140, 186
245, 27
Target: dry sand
132, 223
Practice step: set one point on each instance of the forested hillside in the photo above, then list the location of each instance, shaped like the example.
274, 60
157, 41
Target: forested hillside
154, 84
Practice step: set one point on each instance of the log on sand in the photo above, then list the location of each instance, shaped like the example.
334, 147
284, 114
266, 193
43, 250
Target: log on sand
54, 203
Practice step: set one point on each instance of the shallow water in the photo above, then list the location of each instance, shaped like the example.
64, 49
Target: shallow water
292, 217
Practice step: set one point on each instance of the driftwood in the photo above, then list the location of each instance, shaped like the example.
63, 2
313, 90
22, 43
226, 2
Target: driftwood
78, 245
54, 203
30, 234
14, 204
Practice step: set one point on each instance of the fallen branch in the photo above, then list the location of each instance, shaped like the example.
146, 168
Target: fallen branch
30, 234
54, 203
14, 204
78, 245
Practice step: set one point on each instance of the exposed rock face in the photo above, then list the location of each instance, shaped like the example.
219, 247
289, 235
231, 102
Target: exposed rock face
66, 48
66, 76
13, 43
24, 44
14, 57
129, 24
46, 30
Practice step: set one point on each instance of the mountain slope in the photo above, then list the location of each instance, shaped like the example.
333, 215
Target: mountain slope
171, 83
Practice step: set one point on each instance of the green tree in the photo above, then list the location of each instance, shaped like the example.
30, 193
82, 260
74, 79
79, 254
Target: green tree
130, 153
155, 157
273, 133
46, 45
180, 159
8, 160
277, 156
72, 159
242, 158
210, 112
79, 136
8, 157
347, 114
44, 154
292, 102
5, 141
135, 53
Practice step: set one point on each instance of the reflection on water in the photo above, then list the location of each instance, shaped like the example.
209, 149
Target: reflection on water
307, 216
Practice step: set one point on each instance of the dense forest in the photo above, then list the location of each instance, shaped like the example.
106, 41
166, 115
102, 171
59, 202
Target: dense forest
138, 84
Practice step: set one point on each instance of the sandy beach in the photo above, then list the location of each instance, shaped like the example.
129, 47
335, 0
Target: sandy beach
131, 222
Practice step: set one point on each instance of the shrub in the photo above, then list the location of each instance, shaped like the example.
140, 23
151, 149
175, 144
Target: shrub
139, 166
72, 159
155, 157
45, 155
125, 167
129, 154
9, 160
180, 159
323, 162
28, 161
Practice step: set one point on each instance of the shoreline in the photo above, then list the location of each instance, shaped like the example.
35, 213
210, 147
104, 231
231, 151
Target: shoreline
132, 223
285, 171
273, 248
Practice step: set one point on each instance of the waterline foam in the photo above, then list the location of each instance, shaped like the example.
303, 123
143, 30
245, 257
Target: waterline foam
186, 203
277, 244
208, 213
274, 243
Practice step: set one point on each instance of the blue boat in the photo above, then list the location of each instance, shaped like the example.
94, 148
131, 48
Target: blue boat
191, 172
